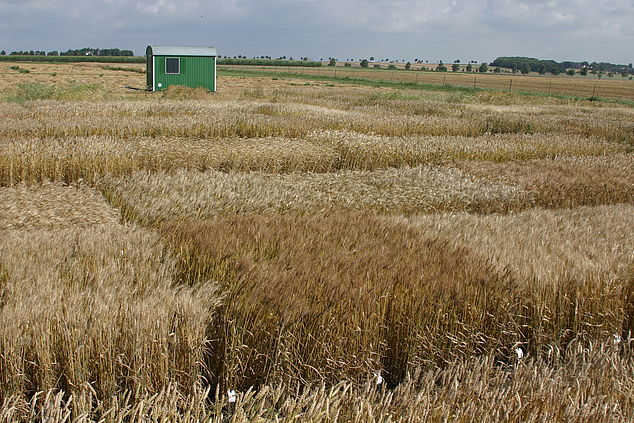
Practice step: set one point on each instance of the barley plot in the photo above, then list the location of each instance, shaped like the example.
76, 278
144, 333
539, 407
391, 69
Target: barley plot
295, 240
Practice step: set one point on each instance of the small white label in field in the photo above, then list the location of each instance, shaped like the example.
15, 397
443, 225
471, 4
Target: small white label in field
379, 378
520, 353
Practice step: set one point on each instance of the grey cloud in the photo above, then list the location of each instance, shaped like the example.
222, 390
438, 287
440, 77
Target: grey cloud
480, 29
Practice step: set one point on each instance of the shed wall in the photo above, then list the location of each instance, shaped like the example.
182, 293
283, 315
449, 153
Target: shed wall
195, 71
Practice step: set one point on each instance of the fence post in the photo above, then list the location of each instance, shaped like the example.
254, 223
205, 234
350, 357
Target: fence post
511, 85
550, 84
417, 77
444, 78
594, 90
474, 82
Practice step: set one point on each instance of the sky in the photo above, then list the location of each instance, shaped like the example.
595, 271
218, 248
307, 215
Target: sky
481, 30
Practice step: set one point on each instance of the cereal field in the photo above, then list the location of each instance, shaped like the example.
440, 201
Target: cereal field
562, 85
315, 251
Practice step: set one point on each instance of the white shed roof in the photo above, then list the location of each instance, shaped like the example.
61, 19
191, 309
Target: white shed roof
183, 51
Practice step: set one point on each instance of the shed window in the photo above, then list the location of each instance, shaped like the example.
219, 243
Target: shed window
173, 65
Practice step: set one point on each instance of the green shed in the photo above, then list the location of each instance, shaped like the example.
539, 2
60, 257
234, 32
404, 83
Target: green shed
189, 66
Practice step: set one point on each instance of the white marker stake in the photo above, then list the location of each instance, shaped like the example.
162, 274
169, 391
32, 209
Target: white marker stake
379, 378
520, 353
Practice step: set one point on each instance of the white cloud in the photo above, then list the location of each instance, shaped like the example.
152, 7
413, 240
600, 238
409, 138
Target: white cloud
400, 16
192, 8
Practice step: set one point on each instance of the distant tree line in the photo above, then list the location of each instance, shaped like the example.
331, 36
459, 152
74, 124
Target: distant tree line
71, 59
529, 64
600, 66
87, 51
97, 52
268, 62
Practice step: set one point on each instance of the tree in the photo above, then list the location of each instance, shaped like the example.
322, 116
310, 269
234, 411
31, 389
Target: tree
555, 71
53, 53
542, 69
525, 69
610, 74
583, 71
3, 53
457, 61
455, 67
624, 74
371, 58
497, 70
332, 62
441, 68
469, 68
571, 72
483, 68
408, 65
365, 63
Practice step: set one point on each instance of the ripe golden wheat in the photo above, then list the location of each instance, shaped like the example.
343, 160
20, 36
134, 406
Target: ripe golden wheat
293, 240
